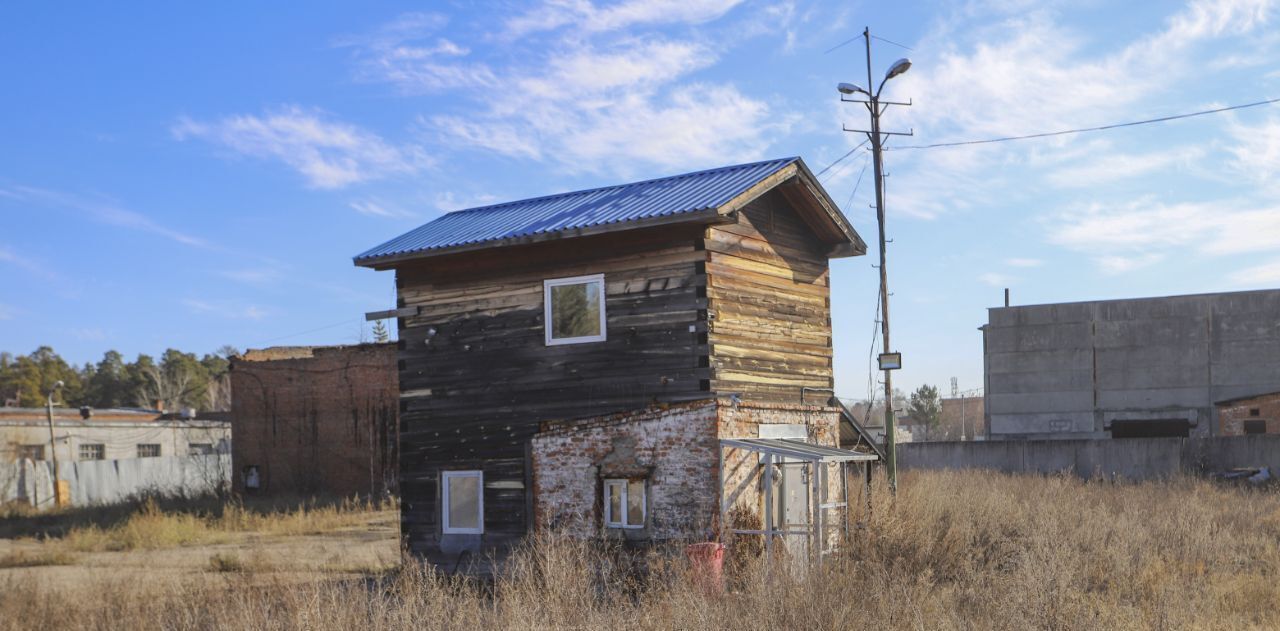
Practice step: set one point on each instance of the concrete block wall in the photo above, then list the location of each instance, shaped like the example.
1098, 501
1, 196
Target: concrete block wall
1069, 370
316, 420
1130, 458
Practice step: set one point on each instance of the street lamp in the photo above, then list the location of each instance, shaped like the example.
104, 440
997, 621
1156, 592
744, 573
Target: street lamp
53, 446
873, 104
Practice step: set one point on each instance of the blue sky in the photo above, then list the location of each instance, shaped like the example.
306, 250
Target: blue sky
198, 175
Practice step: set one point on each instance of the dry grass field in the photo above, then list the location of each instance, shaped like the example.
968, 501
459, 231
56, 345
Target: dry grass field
955, 551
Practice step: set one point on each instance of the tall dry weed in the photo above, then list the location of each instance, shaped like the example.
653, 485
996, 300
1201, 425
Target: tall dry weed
964, 550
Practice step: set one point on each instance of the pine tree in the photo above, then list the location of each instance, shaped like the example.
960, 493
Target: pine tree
380, 332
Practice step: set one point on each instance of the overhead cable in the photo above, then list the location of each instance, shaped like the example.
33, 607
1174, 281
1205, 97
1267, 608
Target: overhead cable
1082, 130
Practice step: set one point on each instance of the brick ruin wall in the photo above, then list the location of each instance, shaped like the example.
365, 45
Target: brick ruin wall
1264, 408
675, 448
316, 421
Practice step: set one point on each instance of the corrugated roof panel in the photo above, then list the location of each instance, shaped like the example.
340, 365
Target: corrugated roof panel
672, 195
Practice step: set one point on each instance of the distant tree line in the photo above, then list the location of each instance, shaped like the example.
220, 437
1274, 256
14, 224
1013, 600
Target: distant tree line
178, 380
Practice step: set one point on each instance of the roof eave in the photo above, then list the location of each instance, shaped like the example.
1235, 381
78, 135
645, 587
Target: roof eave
854, 245
706, 215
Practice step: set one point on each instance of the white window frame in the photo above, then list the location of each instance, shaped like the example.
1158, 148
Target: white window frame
159, 450
621, 521
546, 308
444, 505
99, 451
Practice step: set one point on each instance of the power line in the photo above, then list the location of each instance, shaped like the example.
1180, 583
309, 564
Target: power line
1064, 132
841, 44
858, 182
857, 37
315, 330
891, 42
841, 158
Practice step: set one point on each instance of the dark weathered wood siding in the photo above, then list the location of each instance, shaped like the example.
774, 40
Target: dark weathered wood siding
769, 304
692, 311
475, 391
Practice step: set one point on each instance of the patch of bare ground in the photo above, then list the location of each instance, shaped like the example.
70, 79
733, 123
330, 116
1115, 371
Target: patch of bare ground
959, 550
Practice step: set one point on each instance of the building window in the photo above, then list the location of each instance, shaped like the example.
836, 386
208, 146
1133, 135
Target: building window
31, 452
1255, 427
93, 452
463, 502
149, 451
574, 309
624, 503
199, 449
1255, 411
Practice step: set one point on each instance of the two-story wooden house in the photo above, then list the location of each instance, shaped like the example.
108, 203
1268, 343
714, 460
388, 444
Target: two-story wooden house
574, 358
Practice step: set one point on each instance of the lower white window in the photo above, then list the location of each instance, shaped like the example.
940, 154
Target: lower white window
463, 502
624, 503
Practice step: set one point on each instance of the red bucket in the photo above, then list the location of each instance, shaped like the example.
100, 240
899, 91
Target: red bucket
707, 560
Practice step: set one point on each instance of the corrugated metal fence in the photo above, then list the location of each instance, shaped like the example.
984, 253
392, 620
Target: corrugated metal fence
110, 481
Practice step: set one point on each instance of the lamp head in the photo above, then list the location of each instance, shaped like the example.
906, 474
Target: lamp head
850, 88
57, 385
900, 66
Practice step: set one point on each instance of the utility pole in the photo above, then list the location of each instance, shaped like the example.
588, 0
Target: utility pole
889, 361
53, 446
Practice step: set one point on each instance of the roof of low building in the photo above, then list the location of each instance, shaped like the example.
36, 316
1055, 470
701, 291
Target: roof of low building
100, 415
688, 196
1261, 395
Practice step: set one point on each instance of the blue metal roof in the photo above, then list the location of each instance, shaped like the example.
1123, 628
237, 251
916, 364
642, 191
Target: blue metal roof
672, 195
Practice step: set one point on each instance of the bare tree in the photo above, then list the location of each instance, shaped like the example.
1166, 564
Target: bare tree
218, 394
167, 386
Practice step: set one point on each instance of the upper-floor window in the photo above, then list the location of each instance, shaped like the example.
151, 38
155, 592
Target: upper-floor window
199, 449
93, 452
574, 309
151, 450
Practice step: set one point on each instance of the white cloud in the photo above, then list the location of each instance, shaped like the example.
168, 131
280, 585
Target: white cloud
226, 310
104, 210
449, 201
1257, 150
13, 258
1123, 237
1028, 73
586, 16
251, 276
603, 95
1112, 167
1022, 262
379, 208
328, 153
1265, 274
997, 280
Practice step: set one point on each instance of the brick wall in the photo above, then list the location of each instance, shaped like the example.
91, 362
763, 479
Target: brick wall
316, 420
1265, 408
675, 448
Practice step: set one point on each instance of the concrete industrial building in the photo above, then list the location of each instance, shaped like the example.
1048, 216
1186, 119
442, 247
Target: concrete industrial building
114, 434
1128, 368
